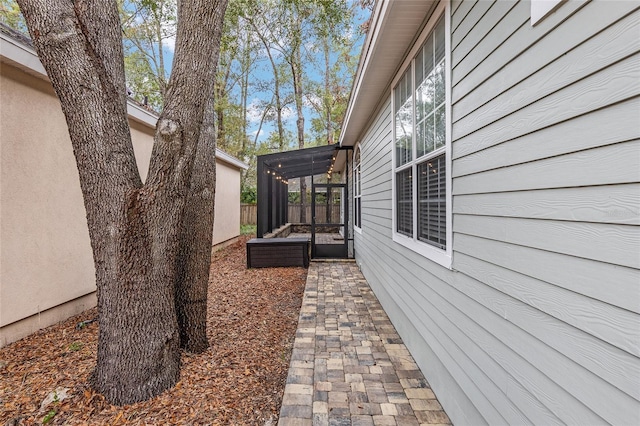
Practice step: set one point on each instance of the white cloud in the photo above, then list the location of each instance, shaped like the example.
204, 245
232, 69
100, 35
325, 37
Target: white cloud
255, 109
287, 113
170, 43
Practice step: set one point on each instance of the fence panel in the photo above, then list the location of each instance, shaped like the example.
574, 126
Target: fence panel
249, 213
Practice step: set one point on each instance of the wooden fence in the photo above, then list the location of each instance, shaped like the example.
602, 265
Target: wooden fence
249, 213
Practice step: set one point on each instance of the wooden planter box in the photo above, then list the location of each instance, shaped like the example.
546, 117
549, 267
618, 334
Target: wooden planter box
272, 252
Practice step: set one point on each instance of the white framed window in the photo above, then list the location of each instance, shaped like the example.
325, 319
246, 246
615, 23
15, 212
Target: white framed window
422, 144
357, 189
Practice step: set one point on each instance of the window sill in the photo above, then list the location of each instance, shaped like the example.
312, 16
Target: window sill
441, 257
358, 230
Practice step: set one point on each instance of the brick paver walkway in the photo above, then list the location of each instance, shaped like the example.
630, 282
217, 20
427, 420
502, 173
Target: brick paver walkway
349, 366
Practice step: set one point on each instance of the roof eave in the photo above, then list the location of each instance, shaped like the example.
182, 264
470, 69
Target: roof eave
25, 58
231, 160
395, 24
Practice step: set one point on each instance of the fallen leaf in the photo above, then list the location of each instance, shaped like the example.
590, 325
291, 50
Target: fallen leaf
238, 380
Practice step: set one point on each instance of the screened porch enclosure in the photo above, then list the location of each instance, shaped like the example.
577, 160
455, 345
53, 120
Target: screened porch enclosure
327, 225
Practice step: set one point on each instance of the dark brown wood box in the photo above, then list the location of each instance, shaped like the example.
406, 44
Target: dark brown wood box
272, 252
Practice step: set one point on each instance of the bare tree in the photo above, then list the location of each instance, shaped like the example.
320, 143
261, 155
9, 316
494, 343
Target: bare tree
254, 13
148, 27
135, 229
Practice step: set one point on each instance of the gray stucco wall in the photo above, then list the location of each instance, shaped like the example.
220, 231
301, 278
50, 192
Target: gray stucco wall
537, 321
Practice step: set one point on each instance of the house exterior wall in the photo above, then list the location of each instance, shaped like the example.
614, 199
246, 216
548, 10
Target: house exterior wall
46, 264
45, 257
537, 319
226, 224
142, 138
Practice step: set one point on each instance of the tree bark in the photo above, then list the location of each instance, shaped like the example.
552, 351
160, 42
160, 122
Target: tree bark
134, 228
194, 257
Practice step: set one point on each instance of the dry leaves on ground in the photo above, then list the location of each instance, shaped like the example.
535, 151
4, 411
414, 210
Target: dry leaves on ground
252, 318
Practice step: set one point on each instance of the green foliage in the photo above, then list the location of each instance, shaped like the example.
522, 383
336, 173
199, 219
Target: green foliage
52, 413
148, 28
248, 229
10, 15
248, 195
49, 416
294, 197
142, 81
274, 144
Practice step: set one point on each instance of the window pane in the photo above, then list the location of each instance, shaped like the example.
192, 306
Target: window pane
403, 135
427, 50
420, 137
429, 133
440, 130
430, 94
439, 40
404, 202
438, 76
404, 121
356, 173
419, 67
432, 219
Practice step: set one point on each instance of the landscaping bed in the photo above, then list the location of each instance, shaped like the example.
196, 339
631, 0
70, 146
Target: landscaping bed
252, 318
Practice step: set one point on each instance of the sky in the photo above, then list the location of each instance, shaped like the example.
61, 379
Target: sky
262, 71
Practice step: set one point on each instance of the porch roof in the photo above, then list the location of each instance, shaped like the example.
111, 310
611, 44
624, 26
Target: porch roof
300, 162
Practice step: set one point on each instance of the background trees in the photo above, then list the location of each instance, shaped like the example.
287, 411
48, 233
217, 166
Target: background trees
148, 31
301, 73
284, 73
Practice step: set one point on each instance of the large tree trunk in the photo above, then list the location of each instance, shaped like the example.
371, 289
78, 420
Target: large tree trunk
134, 228
194, 258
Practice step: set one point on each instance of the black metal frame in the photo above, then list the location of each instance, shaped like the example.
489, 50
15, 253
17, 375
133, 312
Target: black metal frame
337, 251
274, 170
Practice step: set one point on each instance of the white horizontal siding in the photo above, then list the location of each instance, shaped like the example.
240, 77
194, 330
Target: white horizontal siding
617, 83
546, 197
537, 323
577, 134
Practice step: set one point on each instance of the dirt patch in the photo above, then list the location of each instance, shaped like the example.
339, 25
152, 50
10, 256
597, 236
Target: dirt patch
252, 318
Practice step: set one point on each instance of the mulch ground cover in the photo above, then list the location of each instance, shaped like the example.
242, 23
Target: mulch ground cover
252, 318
